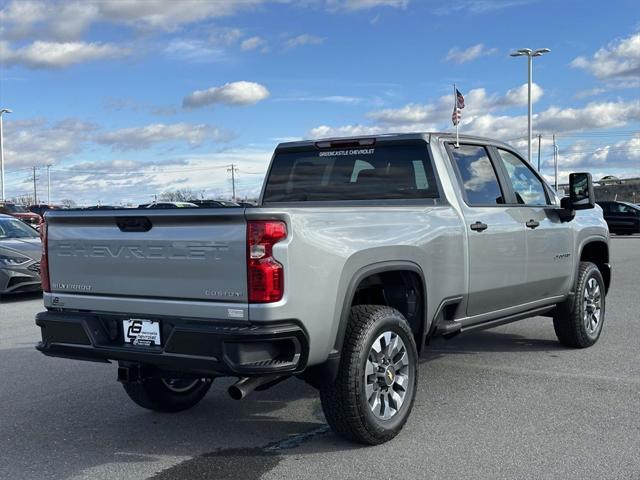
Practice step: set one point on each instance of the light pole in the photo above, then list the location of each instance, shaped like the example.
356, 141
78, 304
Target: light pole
2, 111
48, 184
530, 54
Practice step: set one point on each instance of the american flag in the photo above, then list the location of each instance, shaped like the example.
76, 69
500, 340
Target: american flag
456, 115
459, 99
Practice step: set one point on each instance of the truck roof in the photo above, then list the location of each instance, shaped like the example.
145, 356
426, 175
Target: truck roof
387, 137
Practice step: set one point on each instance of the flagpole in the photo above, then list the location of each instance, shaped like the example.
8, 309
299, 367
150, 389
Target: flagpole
455, 109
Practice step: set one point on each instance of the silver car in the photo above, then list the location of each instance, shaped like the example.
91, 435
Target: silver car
20, 252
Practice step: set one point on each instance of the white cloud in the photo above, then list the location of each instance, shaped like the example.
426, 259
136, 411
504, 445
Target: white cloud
195, 51
64, 19
481, 117
478, 6
461, 56
304, 39
120, 104
619, 59
591, 92
343, 99
519, 96
595, 115
169, 14
137, 138
71, 20
38, 142
41, 54
585, 154
235, 93
477, 101
17, 18
123, 180
225, 36
252, 43
325, 131
355, 5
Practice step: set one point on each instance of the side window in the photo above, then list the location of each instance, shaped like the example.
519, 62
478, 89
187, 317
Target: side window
479, 179
359, 166
422, 182
527, 186
625, 209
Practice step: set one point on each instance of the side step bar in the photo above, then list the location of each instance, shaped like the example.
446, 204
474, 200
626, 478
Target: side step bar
450, 328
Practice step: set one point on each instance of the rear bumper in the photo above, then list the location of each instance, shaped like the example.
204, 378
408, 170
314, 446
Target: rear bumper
200, 347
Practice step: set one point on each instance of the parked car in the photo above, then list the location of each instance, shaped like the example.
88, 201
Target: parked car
20, 251
42, 208
215, 203
102, 207
21, 213
361, 250
172, 205
623, 218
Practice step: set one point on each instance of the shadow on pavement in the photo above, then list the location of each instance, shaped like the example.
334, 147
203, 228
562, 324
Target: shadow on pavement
486, 341
20, 297
80, 422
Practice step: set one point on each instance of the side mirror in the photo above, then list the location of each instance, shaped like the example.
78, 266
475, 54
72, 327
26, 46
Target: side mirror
581, 194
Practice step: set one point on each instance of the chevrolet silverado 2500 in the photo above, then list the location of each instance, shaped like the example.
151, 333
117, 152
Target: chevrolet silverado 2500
360, 250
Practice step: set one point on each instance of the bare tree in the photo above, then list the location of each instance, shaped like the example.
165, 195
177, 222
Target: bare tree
68, 203
178, 195
23, 200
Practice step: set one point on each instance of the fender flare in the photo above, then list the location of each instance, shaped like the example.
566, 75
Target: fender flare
607, 266
356, 279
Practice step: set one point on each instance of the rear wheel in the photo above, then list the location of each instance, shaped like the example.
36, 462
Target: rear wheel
168, 394
373, 394
579, 323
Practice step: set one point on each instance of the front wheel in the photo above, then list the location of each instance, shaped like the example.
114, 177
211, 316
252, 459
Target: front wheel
168, 394
579, 323
371, 398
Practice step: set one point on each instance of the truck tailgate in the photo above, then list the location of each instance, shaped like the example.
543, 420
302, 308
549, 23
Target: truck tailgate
188, 254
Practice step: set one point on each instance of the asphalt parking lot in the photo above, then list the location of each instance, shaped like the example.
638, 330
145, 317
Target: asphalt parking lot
504, 403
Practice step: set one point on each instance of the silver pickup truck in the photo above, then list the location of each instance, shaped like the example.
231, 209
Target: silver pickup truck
360, 251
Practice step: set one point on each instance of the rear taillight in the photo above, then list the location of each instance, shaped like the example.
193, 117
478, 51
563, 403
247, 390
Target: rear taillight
265, 274
44, 262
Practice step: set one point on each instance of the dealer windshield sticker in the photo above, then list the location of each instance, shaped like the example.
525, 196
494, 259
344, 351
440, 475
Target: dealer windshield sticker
336, 153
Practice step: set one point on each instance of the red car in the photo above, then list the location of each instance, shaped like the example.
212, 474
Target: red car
21, 213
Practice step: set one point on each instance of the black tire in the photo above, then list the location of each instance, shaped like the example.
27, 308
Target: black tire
344, 401
159, 395
570, 318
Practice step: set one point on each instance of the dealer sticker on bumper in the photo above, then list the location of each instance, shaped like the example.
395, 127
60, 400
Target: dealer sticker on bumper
141, 332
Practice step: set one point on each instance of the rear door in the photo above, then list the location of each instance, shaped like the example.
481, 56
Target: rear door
549, 265
496, 237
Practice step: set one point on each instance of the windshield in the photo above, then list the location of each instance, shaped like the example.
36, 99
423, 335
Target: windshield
15, 209
12, 228
380, 173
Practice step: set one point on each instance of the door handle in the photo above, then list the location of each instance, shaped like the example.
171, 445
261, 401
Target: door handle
479, 226
532, 224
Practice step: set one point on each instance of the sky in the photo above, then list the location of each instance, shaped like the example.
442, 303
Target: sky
127, 99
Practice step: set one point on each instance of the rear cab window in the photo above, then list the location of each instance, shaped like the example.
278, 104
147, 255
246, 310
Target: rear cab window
379, 172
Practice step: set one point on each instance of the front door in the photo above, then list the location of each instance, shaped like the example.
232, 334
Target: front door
549, 241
